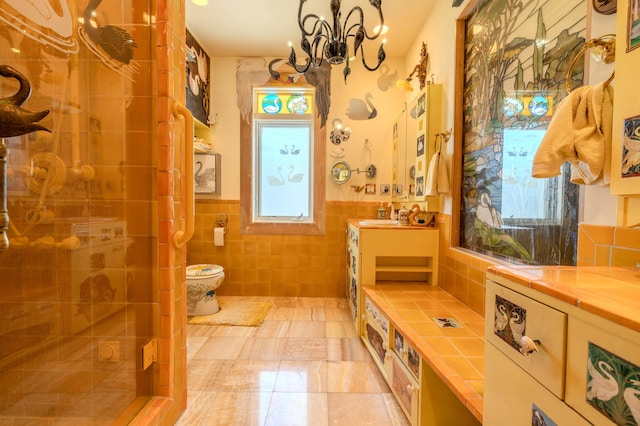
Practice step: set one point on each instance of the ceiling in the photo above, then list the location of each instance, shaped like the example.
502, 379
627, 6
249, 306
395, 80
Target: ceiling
242, 28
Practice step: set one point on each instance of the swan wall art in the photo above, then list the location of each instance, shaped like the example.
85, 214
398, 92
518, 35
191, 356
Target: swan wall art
197, 80
362, 109
510, 321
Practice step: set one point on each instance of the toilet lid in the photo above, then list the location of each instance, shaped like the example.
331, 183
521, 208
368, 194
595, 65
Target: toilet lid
203, 270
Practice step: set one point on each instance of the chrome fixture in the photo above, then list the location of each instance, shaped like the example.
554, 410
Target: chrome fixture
321, 41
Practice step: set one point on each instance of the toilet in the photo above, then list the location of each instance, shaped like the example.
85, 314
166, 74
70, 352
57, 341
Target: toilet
202, 280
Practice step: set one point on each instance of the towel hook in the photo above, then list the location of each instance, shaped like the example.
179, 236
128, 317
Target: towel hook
603, 50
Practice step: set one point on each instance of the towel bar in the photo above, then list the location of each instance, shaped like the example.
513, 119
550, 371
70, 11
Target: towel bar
604, 47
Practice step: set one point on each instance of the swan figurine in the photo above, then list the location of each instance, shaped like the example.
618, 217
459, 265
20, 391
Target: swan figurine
603, 385
114, 41
360, 109
15, 120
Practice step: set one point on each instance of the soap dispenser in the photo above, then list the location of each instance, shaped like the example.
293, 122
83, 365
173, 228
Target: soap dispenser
382, 212
403, 216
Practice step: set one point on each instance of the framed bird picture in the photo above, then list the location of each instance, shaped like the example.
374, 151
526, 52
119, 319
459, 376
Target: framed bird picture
198, 86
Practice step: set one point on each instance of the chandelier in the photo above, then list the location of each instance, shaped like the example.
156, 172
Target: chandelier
336, 43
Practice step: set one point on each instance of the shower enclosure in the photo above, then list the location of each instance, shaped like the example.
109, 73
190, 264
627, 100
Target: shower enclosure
79, 281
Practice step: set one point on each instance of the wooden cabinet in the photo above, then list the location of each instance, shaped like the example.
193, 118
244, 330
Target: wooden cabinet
376, 254
586, 369
603, 371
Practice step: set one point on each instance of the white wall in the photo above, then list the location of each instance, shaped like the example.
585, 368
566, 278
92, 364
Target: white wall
389, 104
439, 34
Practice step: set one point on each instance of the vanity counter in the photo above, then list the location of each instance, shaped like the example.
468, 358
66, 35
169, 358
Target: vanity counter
612, 293
389, 224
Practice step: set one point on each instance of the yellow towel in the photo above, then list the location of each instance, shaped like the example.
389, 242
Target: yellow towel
580, 133
437, 177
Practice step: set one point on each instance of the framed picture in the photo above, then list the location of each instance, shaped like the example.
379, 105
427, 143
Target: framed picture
630, 162
198, 64
206, 172
633, 26
625, 144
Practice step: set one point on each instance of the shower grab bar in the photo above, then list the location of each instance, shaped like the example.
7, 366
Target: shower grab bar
4, 213
181, 237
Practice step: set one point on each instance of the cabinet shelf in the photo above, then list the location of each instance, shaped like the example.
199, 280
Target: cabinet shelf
394, 268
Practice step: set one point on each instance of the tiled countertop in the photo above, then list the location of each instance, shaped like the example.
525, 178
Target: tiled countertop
455, 354
608, 292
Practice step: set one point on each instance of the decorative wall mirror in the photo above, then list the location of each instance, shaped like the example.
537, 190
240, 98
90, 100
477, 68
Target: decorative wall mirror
404, 154
340, 172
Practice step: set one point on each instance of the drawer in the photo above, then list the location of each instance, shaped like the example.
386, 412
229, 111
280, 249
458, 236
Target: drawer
603, 372
406, 353
406, 390
376, 331
511, 315
512, 397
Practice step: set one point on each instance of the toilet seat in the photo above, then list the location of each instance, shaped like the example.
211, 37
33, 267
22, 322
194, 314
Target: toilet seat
203, 270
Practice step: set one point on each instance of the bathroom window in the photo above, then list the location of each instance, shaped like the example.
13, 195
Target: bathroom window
283, 147
283, 166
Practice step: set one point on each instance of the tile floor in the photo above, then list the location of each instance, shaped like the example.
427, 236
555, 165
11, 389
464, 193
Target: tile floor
304, 365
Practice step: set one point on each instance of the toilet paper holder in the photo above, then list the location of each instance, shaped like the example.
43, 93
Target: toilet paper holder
221, 220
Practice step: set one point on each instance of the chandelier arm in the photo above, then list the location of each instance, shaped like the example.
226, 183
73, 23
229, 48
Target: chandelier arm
292, 61
359, 21
381, 57
302, 24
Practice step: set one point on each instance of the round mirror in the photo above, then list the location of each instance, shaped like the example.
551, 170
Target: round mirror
340, 172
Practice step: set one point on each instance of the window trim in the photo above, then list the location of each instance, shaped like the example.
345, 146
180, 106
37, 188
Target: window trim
247, 226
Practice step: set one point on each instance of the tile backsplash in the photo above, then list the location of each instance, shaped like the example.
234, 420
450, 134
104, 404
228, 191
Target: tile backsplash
600, 245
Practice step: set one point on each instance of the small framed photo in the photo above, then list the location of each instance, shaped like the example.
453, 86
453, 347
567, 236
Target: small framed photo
370, 188
385, 189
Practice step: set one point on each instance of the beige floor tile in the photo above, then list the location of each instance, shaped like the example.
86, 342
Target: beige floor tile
220, 348
302, 376
281, 313
237, 408
249, 376
305, 348
194, 343
351, 349
307, 329
355, 376
396, 414
340, 329
304, 365
206, 375
298, 409
198, 405
262, 348
357, 409
273, 329
338, 314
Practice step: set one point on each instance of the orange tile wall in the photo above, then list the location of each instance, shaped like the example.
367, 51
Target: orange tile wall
600, 245
279, 265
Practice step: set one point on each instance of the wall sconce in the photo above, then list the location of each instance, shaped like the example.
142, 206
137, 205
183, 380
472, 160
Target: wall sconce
420, 69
